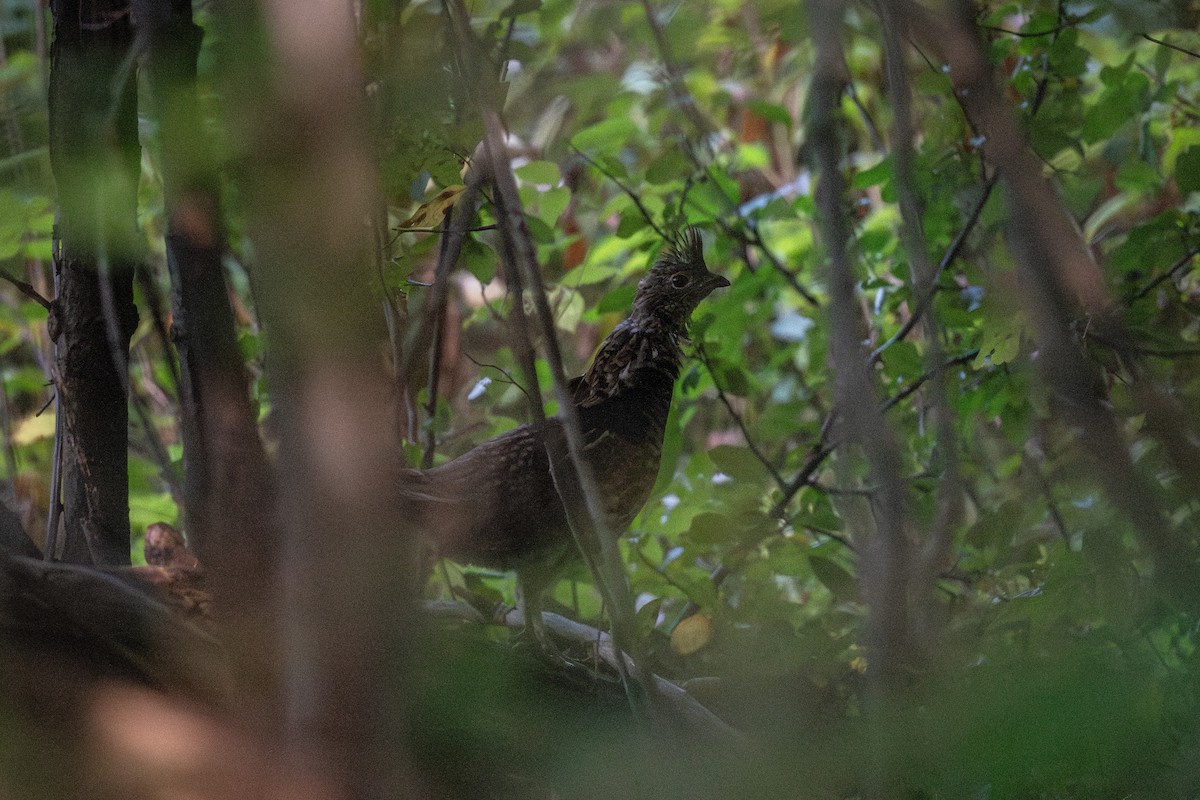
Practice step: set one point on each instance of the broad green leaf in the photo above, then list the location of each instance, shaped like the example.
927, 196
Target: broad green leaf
840, 583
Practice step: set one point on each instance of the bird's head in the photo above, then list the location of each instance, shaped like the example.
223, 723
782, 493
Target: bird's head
677, 282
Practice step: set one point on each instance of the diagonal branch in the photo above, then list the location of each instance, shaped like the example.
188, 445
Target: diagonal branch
937, 545
572, 475
27, 290
637, 200
885, 561
737, 419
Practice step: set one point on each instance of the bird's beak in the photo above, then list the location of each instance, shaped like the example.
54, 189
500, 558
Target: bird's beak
716, 281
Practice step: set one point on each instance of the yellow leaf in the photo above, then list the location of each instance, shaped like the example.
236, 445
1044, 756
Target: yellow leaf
692, 634
33, 429
431, 214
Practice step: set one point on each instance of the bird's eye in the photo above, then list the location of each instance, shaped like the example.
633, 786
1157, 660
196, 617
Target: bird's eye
680, 280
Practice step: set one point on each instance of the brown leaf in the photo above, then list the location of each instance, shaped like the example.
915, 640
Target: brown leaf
431, 214
692, 634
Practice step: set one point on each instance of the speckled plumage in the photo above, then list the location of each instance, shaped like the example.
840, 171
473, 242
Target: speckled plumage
496, 506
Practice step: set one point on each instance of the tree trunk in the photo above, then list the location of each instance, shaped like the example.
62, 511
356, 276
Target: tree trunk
228, 486
95, 156
225, 466
309, 184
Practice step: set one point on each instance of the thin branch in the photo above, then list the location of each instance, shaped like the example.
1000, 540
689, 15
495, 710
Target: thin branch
572, 475
662, 573
1164, 43
826, 445
508, 376
27, 290
1047, 491
817, 455
443, 230
679, 94
737, 418
1169, 274
716, 578
895, 399
749, 234
442, 273
947, 258
166, 468
872, 128
1025, 34
457, 226
637, 201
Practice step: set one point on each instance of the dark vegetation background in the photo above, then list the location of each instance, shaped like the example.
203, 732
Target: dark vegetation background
926, 520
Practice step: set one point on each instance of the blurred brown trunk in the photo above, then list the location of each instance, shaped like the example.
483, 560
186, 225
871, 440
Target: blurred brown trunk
96, 158
296, 101
229, 488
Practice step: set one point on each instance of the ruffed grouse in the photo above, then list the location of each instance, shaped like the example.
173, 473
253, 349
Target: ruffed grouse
496, 505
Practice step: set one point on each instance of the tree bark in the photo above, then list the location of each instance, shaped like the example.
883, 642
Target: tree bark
95, 156
309, 183
228, 486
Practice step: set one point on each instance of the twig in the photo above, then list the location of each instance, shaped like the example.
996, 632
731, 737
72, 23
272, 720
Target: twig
872, 128
749, 234
1025, 34
508, 376
572, 476
817, 454
947, 258
27, 290
637, 201
435, 302
891, 402
166, 469
737, 418
662, 573
442, 273
1170, 273
444, 230
680, 96
154, 300
1164, 43
825, 445
716, 578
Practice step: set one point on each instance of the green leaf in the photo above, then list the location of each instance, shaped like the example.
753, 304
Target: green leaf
737, 462
671, 166
1120, 103
840, 583
772, 112
647, 616
709, 528
519, 7
1187, 170
539, 172
873, 176
608, 136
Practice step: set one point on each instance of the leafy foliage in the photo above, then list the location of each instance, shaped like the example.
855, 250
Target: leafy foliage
1050, 665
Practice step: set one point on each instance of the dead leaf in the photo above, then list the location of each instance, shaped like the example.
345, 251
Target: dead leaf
431, 214
692, 634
